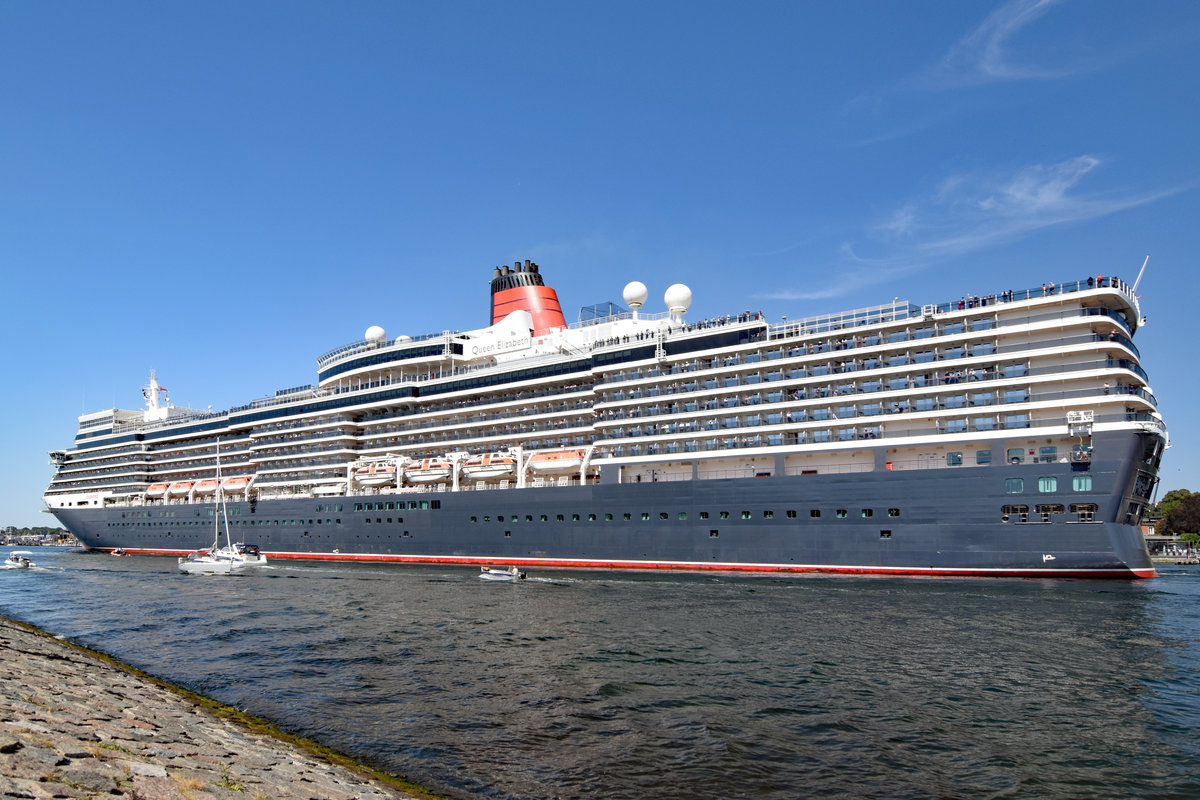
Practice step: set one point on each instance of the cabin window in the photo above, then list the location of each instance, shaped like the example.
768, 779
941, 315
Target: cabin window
791, 514
1048, 455
663, 515
1015, 455
893, 512
608, 517
983, 457
703, 515
768, 515
645, 516
574, 518
868, 512
954, 459
814, 512
545, 518
627, 516
885, 534
560, 518
724, 515
840, 513
1081, 483
1084, 512
683, 515
1049, 484
1014, 485
1014, 513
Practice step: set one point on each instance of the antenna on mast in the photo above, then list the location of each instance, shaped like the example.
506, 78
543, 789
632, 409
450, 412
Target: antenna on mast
1139, 277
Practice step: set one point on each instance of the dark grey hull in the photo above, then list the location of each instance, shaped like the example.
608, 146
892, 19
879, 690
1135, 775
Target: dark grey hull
945, 521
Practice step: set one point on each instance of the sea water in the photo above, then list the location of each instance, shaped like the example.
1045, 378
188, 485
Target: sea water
670, 685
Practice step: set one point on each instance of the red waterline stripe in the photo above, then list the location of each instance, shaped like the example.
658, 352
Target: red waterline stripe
695, 566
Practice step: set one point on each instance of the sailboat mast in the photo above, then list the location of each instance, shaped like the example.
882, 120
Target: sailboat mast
224, 508
216, 499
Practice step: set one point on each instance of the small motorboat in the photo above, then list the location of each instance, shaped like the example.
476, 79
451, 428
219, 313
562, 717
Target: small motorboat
120, 551
501, 574
19, 559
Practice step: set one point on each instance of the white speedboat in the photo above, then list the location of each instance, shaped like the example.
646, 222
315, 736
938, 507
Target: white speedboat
19, 559
501, 574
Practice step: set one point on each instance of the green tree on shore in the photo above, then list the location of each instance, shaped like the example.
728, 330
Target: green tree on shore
1169, 501
37, 531
1182, 516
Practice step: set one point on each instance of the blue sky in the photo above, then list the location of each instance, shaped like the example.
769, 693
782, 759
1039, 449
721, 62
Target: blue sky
223, 191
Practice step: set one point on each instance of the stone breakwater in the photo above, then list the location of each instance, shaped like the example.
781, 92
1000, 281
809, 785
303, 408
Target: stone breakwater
75, 724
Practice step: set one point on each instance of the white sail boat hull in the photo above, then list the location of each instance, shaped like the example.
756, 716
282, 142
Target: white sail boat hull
218, 560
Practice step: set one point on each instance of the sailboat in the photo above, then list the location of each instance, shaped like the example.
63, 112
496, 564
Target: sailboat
218, 560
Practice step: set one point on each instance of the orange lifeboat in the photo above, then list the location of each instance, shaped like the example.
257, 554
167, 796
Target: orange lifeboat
491, 465
379, 473
206, 486
156, 490
428, 470
179, 488
236, 484
553, 461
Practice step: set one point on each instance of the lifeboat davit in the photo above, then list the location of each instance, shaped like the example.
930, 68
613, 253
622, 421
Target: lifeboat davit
156, 490
553, 461
206, 486
428, 470
491, 465
179, 488
377, 474
235, 485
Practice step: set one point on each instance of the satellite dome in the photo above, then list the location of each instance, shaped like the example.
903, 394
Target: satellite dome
678, 298
375, 335
635, 294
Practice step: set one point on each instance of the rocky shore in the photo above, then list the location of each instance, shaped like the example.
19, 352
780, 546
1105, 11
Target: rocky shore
76, 724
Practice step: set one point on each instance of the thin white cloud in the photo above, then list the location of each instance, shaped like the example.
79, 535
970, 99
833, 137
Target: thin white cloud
983, 55
969, 212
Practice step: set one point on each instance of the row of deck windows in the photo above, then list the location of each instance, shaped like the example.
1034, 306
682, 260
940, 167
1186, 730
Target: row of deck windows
1044, 512
647, 516
1048, 484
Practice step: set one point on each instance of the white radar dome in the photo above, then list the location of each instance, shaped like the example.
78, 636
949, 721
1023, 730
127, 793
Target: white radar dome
375, 335
678, 298
635, 294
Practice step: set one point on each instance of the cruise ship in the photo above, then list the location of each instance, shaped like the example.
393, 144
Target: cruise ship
1004, 434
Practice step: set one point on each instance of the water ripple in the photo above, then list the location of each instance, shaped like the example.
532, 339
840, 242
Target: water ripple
630, 686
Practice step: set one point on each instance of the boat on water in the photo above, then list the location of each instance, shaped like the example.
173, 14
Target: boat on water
219, 559
1009, 433
119, 551
227, 559
501, 574
19, 559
